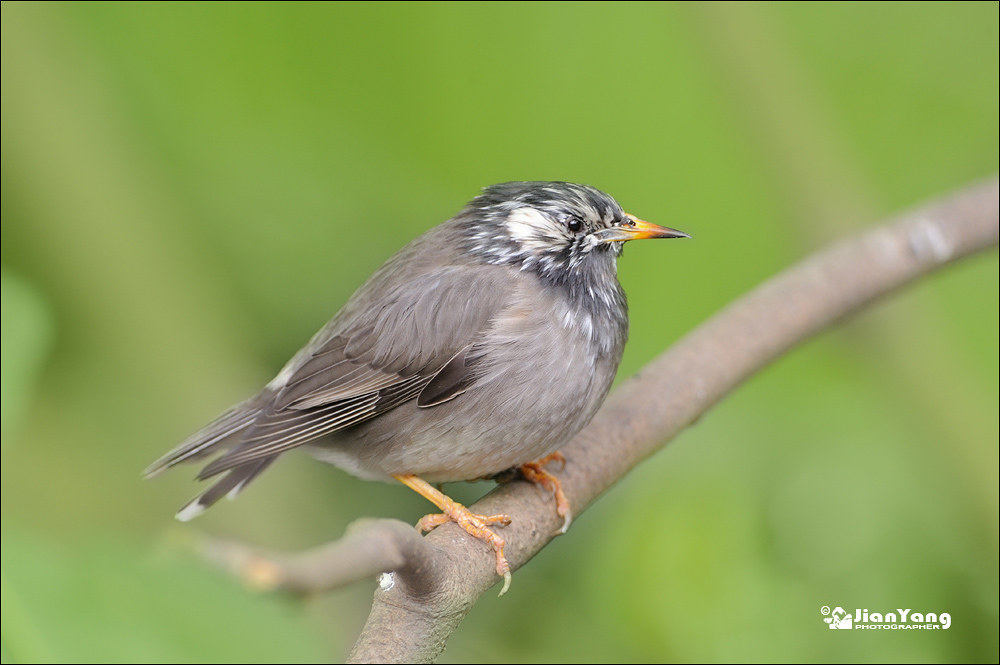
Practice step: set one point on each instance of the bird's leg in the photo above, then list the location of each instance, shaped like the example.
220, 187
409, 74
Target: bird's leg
475, 525
536, 473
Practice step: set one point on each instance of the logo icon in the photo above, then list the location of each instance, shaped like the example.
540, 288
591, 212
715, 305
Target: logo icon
838, 619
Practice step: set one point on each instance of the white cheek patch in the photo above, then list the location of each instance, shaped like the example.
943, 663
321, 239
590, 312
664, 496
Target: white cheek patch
526, 223
531, 229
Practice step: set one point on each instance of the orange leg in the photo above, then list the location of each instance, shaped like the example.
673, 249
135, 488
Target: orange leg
536, 473
475, 525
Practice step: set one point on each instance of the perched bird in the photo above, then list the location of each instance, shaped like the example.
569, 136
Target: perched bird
481, 346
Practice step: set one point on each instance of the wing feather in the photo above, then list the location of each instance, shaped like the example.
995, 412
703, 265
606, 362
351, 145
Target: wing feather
380, 357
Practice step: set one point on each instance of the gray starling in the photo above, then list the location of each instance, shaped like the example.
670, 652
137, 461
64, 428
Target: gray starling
484, 344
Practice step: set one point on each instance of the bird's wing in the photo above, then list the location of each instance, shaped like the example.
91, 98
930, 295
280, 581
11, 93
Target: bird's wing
409, 341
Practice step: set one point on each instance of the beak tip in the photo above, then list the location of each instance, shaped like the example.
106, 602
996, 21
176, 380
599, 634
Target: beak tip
674, 233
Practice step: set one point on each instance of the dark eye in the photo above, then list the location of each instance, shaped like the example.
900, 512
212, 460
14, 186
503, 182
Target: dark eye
574, 224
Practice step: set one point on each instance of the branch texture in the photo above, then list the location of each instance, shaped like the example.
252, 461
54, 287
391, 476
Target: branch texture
411, 620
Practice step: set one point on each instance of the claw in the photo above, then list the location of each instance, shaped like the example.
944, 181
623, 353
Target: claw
506, 582
567, 520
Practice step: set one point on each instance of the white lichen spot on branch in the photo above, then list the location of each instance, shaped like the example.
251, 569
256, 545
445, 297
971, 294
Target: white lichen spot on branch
927, 242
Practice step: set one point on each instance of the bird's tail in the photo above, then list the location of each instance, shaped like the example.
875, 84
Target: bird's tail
221, 433
209, 439
229, 485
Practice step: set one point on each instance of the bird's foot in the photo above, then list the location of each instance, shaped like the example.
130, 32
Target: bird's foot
536, 473
452, 511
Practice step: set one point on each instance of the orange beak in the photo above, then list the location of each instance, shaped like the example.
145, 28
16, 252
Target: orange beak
634, 228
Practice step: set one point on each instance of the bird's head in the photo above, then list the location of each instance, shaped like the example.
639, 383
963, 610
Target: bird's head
558, 229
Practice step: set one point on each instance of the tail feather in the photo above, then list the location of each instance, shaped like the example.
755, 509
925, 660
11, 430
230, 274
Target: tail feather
208, 439
229, 485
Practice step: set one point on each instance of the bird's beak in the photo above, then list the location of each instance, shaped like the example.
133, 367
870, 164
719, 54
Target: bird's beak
634, 228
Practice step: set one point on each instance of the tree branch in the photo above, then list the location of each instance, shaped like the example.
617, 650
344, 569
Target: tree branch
438, 578
370, 547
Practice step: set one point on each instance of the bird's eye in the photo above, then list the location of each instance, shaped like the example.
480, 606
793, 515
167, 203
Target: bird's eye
574, 224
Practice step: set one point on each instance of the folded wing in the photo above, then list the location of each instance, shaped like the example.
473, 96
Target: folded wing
409, 342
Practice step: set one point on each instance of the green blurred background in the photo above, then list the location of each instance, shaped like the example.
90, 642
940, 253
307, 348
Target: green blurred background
190, 191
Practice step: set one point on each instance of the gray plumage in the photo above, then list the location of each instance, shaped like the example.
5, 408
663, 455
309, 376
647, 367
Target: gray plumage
484, 344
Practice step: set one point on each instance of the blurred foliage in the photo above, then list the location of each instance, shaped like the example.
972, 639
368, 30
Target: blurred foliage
189, 191
26, 329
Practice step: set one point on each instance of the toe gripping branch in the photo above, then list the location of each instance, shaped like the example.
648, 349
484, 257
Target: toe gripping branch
536, 473
478, 525
452, 511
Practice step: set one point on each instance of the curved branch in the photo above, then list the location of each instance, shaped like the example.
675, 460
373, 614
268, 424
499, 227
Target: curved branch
410, 625
370, 547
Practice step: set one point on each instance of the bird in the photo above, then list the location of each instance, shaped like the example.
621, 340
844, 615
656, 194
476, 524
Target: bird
480, 347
